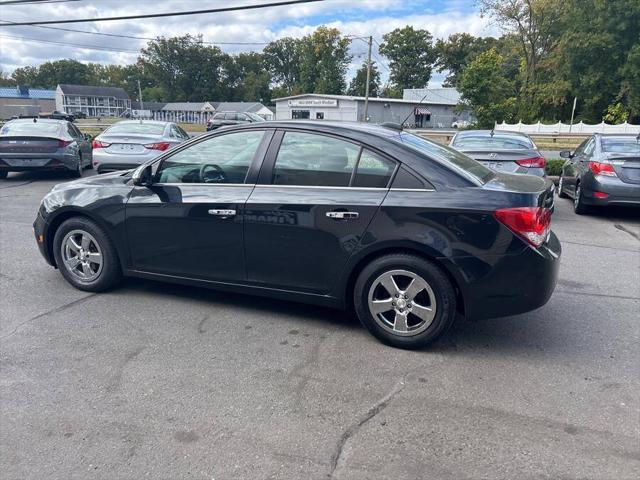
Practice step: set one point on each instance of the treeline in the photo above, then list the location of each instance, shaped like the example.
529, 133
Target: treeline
550, 52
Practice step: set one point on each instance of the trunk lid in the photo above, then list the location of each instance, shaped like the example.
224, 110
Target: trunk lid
129, 144
21, 145
499, 159
627, 166
533, 190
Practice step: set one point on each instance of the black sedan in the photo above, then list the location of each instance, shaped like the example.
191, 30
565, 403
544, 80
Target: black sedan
604, 170
225, 119
407, 232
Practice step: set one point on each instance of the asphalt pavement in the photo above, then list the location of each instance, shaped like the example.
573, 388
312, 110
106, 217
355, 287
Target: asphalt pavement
160, 381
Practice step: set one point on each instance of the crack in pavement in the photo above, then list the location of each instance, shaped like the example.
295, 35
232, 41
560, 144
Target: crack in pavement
338, 459
18, 185
299, 369
49, 312
590, 294
624, 229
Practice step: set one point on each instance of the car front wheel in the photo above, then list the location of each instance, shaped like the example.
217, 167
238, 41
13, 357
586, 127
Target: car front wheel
85, 255
404, 300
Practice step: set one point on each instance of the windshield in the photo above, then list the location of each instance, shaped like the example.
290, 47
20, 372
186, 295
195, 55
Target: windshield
448, 156
496, 142
621, 145
136, 128
30, 128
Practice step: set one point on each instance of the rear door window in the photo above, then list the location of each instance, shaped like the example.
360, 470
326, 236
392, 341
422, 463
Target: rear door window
373, 171
307, 159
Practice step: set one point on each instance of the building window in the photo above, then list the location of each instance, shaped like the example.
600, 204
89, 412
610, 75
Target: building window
300, 114
319, 115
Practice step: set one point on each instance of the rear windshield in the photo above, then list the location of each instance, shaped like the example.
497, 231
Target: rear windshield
136, 128
448, 156
30, 128
621, 145
497, 141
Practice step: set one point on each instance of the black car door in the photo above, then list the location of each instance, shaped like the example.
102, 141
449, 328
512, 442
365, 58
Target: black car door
189, 223
314, 200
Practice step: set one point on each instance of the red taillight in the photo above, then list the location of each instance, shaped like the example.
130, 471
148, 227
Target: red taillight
530, 223
162, 146
536, 162
599, 168
99, 144
64, 143
600, 194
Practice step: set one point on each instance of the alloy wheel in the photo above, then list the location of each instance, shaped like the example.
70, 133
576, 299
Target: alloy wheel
576, 198
402, 302
82, 255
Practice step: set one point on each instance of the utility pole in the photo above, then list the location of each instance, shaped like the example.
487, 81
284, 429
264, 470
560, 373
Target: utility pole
140, 95
366, 95
573, 111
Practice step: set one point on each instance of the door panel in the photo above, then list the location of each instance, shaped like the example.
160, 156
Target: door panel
171, 230
290, 241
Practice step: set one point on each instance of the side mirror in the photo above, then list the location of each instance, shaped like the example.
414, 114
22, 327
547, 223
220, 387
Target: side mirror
143, 176
566, 154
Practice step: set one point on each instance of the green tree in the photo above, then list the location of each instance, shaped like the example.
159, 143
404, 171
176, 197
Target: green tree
50, 74
324, 61
247, 78
26, 76
282, 59
358, 85
411, 56
456, 52
184, 68
486, 91
630, 85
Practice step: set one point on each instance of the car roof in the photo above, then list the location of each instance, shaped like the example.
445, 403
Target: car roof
616, 135
150, 122
38, 120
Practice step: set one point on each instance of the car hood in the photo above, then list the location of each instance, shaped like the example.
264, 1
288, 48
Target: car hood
106, 179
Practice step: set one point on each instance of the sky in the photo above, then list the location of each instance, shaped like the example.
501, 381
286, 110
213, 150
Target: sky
30, 45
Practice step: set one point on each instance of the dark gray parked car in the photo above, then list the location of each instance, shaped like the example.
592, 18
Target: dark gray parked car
223, 119
43, 144
604, 170
508, 152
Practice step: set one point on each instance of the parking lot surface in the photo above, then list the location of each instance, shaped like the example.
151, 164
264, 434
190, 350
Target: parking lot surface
160, 381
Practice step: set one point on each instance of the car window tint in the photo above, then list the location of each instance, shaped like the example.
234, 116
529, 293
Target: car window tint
315, 160
621, 145
183, 134
496, 141
28, 127
221, 159
588, 149
407, 180
373, 171
136, 128
174, 132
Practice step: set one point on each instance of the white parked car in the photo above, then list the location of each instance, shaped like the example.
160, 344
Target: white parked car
460, 124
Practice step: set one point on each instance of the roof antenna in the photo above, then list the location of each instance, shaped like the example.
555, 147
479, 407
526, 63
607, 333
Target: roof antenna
35, 120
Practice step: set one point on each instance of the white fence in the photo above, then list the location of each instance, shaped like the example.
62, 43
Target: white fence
578, 128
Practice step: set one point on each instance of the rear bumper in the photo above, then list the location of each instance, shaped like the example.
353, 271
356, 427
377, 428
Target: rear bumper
512, 285
619, 193
26, 163
109, 162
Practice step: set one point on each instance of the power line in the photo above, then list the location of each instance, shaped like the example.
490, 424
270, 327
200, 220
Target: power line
78, 45
158, 15
116, 35
19, 2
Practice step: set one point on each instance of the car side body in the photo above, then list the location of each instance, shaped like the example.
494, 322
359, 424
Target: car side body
603, 171
225, 119
309, 243
507, 152
43, 144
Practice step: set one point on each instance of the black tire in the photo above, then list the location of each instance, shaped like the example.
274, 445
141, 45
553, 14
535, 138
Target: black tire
435, 278
77, 173
3, 174
110, 273
578, 202
561, 193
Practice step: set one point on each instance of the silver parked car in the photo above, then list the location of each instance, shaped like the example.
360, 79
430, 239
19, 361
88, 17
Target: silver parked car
509, 152
43, 144
131, 143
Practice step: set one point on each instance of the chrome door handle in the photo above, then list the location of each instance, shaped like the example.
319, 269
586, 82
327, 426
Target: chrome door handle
342, 215
222, 213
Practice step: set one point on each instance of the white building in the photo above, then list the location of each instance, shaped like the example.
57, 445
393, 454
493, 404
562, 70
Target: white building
92, 101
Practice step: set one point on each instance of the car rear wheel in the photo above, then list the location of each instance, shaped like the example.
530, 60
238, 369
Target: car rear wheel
85, 255
578, 202
404, 300
3, 174
561, 193
77, 173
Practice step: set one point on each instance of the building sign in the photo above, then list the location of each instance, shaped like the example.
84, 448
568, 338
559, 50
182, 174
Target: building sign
141, 113
313, 102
